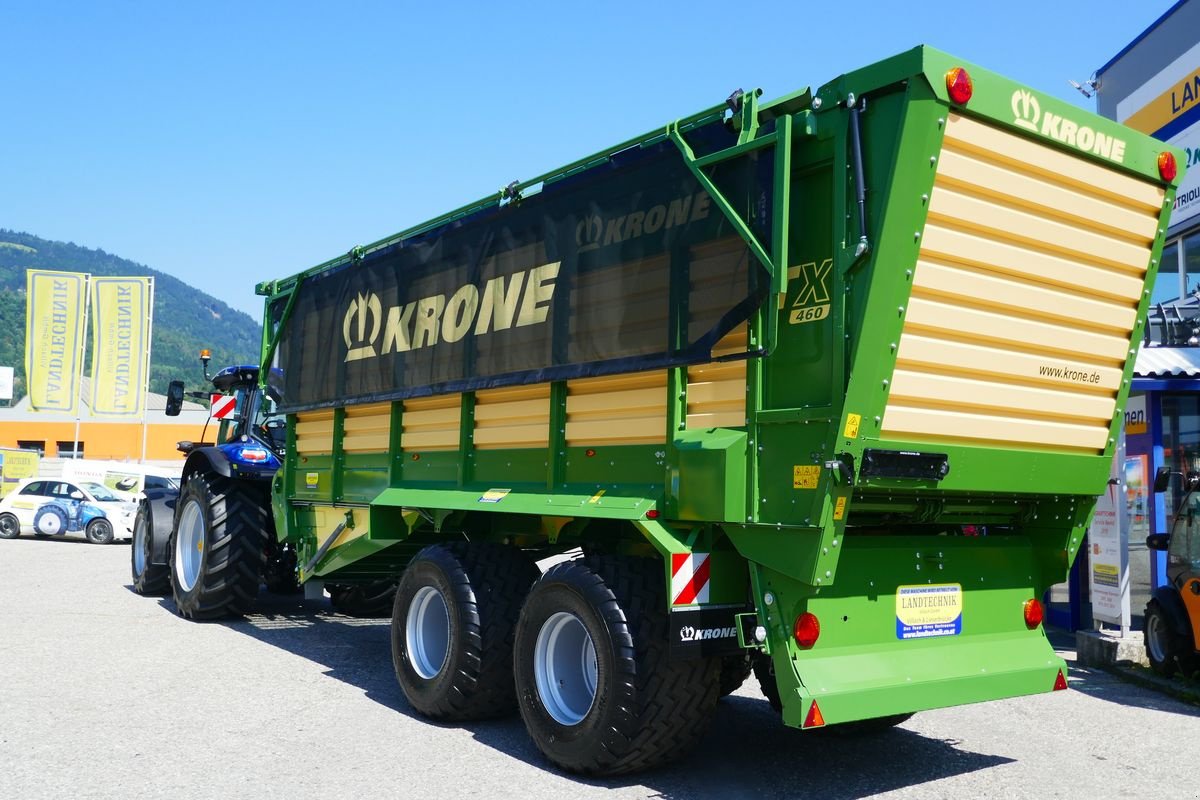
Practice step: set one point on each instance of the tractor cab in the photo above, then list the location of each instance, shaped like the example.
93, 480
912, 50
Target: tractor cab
1172, 628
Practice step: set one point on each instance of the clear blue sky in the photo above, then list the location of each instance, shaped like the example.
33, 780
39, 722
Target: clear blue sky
229, 143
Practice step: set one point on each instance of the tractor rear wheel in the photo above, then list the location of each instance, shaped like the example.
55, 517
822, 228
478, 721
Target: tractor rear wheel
1166, 649
217, 547
452, 629
148, 578
598, 690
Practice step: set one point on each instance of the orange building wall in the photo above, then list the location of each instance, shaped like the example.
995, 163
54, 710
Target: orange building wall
118, 441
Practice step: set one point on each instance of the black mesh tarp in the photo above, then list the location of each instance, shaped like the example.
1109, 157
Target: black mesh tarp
627, 266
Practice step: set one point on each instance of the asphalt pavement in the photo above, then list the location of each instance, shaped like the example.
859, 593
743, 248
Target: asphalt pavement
106, 694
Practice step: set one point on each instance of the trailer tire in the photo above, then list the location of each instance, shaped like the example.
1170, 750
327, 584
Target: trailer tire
734, 672
452, 629
225, 523
1166, 649
598, 690
368, 601
764, 672
150, 579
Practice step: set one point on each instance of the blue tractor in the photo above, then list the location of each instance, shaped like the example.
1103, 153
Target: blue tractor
212, 544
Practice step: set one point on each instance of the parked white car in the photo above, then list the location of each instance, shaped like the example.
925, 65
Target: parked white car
56, 507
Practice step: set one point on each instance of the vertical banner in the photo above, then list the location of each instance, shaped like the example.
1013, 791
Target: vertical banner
120, 338
1109, 537
55, 306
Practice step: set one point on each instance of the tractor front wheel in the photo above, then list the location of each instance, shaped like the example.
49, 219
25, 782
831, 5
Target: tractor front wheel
217, 547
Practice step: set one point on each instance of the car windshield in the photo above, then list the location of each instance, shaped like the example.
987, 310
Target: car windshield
100, 492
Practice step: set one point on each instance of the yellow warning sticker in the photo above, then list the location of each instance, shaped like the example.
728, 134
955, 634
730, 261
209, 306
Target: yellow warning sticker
596, 497
839, 508
311, 479
805, 477
852, 423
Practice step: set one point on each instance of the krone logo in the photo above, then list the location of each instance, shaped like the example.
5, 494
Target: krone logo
1026, 110
362, 309
687, 633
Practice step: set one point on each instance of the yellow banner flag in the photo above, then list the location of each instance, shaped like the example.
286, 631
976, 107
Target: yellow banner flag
120, 339
55, 303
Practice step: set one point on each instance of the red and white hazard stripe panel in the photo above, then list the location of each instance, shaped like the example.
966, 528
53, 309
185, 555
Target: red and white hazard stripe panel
222, 406
689, 578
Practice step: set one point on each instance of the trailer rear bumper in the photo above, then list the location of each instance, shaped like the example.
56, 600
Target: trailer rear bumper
864, 682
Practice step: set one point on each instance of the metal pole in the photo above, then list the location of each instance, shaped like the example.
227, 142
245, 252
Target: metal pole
87, 301
145, 389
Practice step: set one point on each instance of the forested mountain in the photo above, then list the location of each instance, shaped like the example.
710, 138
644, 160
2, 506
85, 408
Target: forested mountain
185, 319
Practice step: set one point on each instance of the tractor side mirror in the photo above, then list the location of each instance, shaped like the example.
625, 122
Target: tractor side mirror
1162, 479
175, 399
1158, 541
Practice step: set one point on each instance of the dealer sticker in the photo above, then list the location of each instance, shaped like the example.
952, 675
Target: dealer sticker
923, 612
494, 495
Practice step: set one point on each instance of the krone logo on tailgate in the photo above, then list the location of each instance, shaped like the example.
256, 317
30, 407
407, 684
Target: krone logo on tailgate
506, 301
1028, 114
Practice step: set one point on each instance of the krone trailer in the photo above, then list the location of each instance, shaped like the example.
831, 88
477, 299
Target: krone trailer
822, 388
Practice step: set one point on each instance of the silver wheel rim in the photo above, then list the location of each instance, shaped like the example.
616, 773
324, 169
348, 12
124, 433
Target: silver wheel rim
189, 546
564, 668
427, 632
1155, 638
139, 546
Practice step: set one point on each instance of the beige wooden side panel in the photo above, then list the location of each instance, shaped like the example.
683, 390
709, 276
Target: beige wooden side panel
617, 409
314, 432
431, 423
367, 428
513, 417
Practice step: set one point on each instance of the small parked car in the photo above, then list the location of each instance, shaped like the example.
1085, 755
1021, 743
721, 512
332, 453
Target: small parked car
56, 507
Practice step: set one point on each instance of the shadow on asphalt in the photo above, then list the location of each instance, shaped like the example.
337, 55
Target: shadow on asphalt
747, 751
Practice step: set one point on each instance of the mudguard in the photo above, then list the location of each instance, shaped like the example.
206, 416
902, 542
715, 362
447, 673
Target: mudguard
205, 459
1168, 597
161, 505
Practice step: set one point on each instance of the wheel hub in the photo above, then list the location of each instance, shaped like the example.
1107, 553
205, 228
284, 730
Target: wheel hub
565, 668
189, 545
427, 632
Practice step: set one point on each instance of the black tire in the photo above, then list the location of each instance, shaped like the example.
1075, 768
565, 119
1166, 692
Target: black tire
646, 709
1167, 650
734, 672
231, 522
10, 526
279, 572
366, 600
764, 672
50, 521
150, 579
99, 531
481, 586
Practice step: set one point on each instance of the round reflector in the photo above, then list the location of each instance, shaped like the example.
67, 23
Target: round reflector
958, 84
807, 630
1167, 169
1034, 614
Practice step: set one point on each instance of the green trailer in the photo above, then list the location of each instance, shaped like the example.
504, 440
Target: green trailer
822, 388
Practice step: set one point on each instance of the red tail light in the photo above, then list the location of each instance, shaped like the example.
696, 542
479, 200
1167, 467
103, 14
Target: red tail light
1060, 682
1167, 168
1034, 613
959, 85
814, 718
807, 630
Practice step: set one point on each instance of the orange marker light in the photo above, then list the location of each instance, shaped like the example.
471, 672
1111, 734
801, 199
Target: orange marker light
959, 85
807, 630
1167, 168
1034, 613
